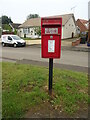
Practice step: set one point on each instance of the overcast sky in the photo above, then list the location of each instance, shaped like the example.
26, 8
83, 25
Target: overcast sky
19, 9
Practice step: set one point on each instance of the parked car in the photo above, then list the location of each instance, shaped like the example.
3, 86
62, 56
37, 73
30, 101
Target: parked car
14, 40
84, 37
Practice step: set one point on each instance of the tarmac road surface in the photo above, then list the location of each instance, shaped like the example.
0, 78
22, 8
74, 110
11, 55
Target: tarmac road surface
33, 53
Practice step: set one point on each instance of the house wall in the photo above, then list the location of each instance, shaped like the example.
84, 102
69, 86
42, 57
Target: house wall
62, 33
77, 31
20, 32
69, 28
30, 32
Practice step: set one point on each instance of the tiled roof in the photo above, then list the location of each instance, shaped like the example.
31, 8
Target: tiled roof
37, 21
82, 24
64, 17
83, 21
31, 22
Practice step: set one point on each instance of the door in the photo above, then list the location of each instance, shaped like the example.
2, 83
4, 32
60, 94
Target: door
9, 40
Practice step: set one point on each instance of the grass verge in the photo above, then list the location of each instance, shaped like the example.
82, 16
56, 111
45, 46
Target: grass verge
31, 38
24, 87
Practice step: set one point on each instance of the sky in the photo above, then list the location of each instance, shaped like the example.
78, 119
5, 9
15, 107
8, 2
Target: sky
18, 10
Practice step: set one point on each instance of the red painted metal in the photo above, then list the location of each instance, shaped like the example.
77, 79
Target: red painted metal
51, 29
3, 33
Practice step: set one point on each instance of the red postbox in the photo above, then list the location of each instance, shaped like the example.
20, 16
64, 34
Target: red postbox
51, 37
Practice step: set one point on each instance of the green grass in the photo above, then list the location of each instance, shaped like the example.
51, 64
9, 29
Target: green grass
71, 87
30, 38
24, 88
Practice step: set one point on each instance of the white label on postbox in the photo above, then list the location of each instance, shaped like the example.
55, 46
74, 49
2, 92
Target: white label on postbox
51, 30
51, 46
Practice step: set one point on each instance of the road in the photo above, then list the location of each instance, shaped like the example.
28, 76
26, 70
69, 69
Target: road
33, 53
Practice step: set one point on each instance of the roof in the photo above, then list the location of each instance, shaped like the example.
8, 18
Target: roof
83, 21
82, 24
64, 17
37, 21
31, 22
15, 25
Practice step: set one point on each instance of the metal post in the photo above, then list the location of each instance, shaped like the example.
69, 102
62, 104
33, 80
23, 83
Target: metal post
89, 32
50, 75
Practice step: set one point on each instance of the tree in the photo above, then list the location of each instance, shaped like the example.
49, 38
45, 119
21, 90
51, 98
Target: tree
39, 31
6, 20
7, 27
32, 16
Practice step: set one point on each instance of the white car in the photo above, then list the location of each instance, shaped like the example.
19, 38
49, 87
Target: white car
13, 40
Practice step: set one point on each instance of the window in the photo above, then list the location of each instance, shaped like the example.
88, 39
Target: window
28, 30
35, 34
9, 38
16, 37
31, 32
35, 29
25, 31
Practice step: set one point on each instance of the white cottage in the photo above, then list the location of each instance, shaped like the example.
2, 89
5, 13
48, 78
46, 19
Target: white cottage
69, 29
31, 26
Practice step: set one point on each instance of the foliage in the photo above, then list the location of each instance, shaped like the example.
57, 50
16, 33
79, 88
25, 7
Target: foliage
15, 32
39, 31
7, 27
6, 20
32, 16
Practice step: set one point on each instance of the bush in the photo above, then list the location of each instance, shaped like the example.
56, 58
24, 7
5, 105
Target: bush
7, 27
15, 32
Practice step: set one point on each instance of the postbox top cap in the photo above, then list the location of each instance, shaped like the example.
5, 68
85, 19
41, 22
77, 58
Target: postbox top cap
51, 21
51, 18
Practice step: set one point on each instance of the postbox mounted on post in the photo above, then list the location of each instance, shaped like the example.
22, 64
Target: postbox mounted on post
51, 43
51, 37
